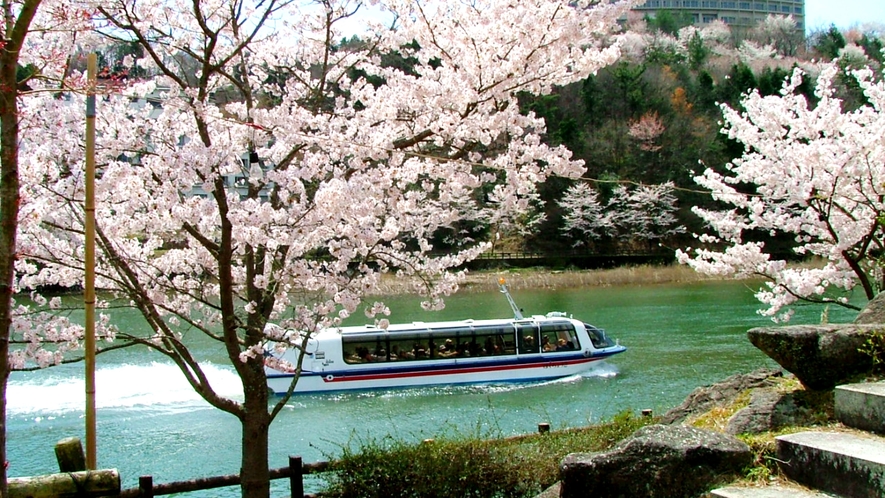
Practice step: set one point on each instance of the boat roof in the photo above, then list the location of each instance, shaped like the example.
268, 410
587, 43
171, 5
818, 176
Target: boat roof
445, 325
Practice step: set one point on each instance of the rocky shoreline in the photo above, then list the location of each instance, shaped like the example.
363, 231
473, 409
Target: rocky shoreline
753, 431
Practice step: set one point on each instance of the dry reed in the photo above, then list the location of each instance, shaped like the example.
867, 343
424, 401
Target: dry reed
540, 278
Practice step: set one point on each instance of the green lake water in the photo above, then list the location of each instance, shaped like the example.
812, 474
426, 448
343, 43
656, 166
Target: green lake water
150, 422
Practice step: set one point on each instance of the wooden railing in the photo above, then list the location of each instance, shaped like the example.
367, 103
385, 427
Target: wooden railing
573, 254
571, 258
75, 480
295, 472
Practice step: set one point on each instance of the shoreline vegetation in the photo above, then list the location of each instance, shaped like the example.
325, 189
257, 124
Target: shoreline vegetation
545, 278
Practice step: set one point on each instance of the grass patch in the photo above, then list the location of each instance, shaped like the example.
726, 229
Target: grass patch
472, 467
764, 468
717, 418
875, 349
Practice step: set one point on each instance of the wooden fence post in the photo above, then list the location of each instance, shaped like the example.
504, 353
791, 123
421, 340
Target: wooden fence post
296, 477
70, 456
146, 487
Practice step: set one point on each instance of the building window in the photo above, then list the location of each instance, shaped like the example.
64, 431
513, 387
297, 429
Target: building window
759, 6
729, 5
709, 4
773, 7
745, 5
710, 18
797, 10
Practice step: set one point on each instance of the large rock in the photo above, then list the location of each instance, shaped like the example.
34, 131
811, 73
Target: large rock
770, 410
722, 393
873, 312
658, 461
820, 356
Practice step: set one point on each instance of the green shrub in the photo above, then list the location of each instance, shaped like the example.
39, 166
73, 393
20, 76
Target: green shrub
468, 467
438, 468
875, 349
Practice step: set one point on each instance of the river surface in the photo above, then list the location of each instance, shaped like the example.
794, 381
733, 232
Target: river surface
149, 422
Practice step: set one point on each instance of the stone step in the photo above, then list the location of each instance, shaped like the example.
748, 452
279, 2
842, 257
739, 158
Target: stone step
847, 464
862, 406
767, 492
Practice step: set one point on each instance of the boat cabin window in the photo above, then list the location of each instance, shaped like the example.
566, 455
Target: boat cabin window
456, 342
559, 337
365, 349
386, 347
408, 347
527, 333
598, 337
494, 341
452, 343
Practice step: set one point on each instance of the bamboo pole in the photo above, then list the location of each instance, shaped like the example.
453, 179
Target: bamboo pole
89, 297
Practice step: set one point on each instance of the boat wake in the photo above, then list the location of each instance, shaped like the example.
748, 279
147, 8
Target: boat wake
155, 386
603, 369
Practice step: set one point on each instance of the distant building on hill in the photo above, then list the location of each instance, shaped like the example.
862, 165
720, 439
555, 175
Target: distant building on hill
740, 14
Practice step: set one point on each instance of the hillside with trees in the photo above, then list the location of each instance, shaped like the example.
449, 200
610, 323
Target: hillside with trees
652, 121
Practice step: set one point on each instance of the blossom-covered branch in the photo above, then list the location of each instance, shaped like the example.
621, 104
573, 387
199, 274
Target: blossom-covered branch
813, 173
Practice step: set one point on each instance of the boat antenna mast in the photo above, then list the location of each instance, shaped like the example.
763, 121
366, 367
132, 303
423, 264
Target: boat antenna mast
517, 313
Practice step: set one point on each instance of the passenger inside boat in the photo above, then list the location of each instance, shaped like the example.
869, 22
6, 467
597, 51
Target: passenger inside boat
563, 345
447, 349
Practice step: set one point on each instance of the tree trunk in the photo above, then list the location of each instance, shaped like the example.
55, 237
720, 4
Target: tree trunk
15, 29
255, 472
9, 202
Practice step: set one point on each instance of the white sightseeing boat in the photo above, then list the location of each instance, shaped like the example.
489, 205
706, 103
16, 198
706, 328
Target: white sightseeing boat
454, 352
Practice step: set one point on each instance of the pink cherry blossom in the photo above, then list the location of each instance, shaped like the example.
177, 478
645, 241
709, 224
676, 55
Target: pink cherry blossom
813, 173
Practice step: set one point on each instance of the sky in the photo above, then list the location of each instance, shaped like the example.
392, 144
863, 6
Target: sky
843, 13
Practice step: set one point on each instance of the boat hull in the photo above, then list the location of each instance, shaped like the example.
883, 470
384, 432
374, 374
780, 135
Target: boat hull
459, 371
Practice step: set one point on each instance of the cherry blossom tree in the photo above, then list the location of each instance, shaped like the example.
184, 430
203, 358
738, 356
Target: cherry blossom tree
266, 178
639, 215
646, 130
813, 173
782, 32
583, 216
644, 215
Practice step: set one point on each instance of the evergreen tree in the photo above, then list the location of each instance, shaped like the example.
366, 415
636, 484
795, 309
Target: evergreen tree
829, 43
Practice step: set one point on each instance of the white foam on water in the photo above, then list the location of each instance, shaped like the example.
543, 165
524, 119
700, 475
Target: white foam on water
158, 386
601, 369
